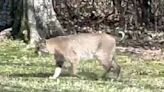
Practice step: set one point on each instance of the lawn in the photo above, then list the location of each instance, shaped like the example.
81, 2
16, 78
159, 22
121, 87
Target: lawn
22, 70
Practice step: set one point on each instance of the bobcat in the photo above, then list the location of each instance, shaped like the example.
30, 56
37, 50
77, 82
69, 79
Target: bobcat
84, 46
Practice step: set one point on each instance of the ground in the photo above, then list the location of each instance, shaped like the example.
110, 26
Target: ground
22, 70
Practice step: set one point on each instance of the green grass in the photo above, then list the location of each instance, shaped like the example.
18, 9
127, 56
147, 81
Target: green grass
23, 71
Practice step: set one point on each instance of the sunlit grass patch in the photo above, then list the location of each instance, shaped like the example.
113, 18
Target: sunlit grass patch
22, 70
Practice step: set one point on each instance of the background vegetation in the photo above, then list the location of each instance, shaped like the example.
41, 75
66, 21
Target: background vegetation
141, 20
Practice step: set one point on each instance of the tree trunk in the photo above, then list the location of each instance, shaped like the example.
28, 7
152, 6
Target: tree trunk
16, 14
42, 21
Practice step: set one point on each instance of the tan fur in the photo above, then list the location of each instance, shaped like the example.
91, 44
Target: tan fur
74, 48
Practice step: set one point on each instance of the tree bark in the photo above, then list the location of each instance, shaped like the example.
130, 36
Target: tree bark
42, 21
16, 14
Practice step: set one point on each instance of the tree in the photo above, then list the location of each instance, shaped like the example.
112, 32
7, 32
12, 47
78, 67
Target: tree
42, 20
35, 20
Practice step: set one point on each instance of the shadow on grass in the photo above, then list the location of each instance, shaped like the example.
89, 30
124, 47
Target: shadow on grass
42, 75
154, 88
30, 64
88, 75
81, 75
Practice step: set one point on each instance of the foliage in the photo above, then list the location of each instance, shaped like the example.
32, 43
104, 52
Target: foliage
99, 14
141, 20
23, 71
